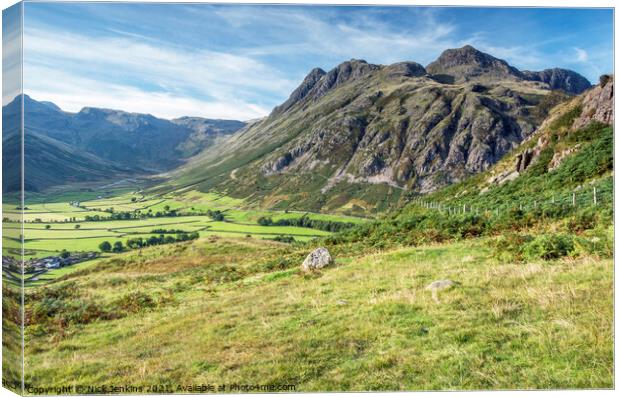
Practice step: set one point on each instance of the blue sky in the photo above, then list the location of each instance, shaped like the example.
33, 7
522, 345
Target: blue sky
227, 61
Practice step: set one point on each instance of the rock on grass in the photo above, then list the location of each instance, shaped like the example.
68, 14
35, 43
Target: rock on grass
317, 259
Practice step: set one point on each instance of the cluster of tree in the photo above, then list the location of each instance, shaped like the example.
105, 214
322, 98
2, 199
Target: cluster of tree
305, 221
127, 215
118, 216
216, 215
39, 220
167, 231
139, 242
107, 247
284, 239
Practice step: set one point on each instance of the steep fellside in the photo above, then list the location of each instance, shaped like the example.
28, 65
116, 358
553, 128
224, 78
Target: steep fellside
570, 152
354, 138
50, 163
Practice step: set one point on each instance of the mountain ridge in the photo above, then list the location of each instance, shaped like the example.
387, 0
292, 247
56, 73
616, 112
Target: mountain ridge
114, 141
354, 135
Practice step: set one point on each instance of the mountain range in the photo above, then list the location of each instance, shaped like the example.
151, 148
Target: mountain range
357, 138
101, 144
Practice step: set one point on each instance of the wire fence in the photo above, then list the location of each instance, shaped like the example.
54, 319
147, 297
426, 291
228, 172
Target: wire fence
596, 195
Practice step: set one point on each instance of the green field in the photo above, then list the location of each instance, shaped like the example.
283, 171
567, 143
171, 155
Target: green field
53, 226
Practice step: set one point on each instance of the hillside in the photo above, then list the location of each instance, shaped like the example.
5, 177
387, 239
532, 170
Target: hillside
355, 138
50, 163
530, 305
531, 293
540, 198
110, 140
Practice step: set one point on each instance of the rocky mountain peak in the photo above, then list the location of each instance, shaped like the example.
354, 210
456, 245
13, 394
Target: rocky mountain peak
467, 63
405, 69
345, 72
598, 104
301, 91
318, 83
466, 55
560, 79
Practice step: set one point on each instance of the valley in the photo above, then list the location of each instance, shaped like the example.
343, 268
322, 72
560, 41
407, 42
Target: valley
82, 226
493, 182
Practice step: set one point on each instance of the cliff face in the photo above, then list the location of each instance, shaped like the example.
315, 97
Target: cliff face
556, 133
360, 132
598, 104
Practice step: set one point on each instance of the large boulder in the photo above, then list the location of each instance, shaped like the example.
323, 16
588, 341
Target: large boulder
317, 259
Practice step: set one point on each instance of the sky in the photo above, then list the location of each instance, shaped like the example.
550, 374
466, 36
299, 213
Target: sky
239, 61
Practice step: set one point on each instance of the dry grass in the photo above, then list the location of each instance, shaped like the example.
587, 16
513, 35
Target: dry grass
367, 324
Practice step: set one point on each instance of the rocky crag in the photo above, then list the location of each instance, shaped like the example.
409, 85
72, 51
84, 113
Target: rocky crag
359, 135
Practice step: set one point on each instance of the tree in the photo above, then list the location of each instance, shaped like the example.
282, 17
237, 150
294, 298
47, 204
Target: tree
137, 242
77, 226
105, 246
133, 199
118, 246
265, 221
48, 226
64, 254
166, 208
153, 240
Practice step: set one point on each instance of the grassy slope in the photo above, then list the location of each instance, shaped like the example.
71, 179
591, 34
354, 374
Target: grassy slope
367, 324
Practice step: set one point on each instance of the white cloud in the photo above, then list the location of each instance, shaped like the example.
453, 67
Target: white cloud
11, 64
137, 73
99, 71
369, 37
73, 93
582, 55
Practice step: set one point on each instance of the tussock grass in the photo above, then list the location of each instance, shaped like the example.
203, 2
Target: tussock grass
366, 324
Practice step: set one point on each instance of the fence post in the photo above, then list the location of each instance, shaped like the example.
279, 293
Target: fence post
463, 208
594, 193
553, 199
574, 199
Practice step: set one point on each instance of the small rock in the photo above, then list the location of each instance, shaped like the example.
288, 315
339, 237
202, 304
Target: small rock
441, 284
317, 259
341, 302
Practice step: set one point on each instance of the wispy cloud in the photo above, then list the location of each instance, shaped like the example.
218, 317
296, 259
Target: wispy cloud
240, 61
73, 93
243, 82
92, 68
582, 55
11, 54
368, 35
